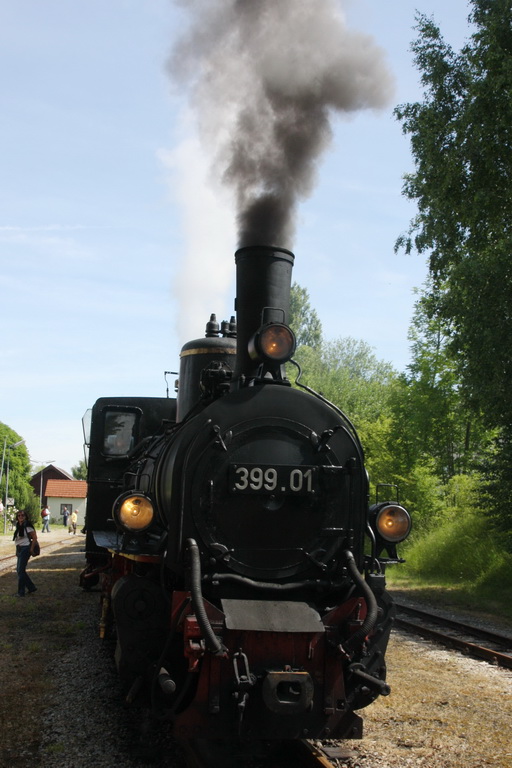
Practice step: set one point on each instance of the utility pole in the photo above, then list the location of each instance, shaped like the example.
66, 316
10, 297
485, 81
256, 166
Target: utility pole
46, 465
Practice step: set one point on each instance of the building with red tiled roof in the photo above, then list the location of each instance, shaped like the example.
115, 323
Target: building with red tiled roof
39, 480
70, 494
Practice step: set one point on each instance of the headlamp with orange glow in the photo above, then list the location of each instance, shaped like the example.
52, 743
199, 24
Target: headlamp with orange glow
391, 523
273, 343
133, 511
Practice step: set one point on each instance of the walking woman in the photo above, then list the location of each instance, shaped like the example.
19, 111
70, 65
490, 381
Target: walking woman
25, 538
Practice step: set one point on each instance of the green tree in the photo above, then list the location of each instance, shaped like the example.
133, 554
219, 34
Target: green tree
304, 320
434, 419
461, 139
16, 461
79, 471
347, 372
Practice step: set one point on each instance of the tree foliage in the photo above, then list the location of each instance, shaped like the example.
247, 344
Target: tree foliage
304, 320
347, 372
16, 460
433, 420
79, 471
461, 139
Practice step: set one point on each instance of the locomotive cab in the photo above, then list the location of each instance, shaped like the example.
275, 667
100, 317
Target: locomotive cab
114, 430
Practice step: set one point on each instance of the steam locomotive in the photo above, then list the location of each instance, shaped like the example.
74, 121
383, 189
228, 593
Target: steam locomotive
241, 566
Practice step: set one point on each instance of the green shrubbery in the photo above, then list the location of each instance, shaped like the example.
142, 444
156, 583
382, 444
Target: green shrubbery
454, 550
460, 553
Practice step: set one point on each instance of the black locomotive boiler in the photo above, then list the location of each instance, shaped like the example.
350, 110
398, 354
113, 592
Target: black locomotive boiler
241, 565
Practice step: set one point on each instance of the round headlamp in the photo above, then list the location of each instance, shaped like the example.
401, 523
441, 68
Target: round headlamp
134, 511
274, 342
392, 522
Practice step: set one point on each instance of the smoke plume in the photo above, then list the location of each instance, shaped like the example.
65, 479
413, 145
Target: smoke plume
266, 78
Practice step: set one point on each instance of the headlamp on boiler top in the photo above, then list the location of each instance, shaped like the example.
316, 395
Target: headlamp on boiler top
274, 343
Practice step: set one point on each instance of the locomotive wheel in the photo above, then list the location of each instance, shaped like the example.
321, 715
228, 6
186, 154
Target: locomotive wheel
90, 583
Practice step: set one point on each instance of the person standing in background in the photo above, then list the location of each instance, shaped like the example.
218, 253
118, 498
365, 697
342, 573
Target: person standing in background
45, 514
25, 538
72, 522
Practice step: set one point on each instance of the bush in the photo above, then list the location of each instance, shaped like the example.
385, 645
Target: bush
422, 496
458, 549
496, 580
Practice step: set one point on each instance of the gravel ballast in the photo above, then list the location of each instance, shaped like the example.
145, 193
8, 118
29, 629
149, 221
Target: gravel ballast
444, 711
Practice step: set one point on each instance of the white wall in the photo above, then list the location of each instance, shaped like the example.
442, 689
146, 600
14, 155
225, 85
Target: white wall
55, 503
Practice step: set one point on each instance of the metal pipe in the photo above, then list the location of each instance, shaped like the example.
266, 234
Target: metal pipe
373, 611
372, 682
212, 641
272, 586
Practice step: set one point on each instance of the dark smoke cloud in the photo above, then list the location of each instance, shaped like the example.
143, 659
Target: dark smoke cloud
267, 76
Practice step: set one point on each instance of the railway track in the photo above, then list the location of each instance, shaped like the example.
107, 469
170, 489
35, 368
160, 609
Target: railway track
301, 754
317, 755
9, 561
470, 640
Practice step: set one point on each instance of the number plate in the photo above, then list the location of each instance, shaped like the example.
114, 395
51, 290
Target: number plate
273, 478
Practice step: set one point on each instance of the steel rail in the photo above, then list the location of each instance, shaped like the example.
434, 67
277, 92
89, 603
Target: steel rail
498, 656
7, 560
459, 626
300, 753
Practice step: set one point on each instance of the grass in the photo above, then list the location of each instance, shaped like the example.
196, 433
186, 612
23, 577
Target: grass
458, 563
56, 749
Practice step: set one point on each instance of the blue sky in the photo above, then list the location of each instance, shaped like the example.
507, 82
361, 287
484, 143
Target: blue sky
107, 215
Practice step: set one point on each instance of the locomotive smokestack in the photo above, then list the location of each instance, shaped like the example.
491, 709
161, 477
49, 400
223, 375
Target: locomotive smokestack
263, 281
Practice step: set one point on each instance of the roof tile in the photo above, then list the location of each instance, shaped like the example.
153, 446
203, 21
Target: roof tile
71, 489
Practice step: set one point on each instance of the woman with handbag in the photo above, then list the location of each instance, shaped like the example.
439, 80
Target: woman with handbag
25, 539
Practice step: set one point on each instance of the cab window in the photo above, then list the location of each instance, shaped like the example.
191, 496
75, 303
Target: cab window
119, 434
